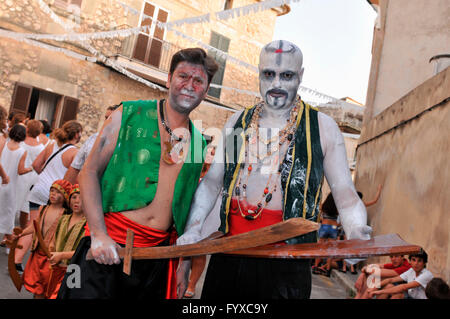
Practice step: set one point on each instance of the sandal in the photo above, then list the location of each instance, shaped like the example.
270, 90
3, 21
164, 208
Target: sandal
315, 270
324, 272
189, 294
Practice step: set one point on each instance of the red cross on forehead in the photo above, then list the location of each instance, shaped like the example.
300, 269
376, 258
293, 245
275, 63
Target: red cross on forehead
279, 51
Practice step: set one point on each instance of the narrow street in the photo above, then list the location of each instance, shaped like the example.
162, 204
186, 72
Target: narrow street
322, 287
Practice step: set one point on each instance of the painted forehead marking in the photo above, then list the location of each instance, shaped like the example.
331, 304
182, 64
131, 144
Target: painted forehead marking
279, 49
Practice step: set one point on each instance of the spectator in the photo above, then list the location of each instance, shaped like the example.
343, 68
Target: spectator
78, 162
38, 270
9, 122
12, 159
18, 118
328, 231
44, 137
51, 164
397, 266
416, 278
355, 261
70, 230
33, 148
437, 288
3, 126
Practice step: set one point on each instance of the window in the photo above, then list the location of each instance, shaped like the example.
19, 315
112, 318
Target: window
44, 105
228, 4
148, 46
222, 43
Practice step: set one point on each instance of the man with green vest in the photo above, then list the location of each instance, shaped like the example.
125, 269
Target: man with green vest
141, 174
269, 168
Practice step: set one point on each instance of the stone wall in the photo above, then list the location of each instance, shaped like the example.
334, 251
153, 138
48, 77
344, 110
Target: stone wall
405, 148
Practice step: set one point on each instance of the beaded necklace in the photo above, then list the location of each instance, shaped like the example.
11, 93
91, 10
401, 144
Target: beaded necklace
252, 137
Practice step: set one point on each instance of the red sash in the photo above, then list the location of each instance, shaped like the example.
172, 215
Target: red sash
117, 225
239, 224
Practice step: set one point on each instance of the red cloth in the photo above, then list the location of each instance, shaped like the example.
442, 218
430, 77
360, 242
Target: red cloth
54, 283
239, 224
117, 225
400, 269
37, 273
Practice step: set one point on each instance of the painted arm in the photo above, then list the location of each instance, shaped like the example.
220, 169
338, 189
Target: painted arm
202, 204
351, 209
103, 248
207, 192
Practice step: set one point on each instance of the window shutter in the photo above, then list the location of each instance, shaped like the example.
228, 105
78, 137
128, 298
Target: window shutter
222, 43
156, 46
21, 98
149, 10
140, 48
69, 111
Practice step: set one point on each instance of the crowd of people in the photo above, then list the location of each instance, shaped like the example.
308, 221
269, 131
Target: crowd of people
38, 171
139, 173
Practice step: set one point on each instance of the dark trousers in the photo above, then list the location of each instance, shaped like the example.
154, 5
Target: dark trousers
148, 278
257, 278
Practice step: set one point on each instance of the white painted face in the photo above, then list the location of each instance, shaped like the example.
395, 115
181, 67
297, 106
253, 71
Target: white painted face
280, 73
188, 86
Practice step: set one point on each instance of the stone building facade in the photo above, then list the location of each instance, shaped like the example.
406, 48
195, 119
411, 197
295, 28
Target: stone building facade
404, 142
45, 82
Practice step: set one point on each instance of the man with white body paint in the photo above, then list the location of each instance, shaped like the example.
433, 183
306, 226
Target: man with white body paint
141, 174
270, 167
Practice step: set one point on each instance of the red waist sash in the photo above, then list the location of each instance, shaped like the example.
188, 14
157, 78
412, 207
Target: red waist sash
239, 224
144, 236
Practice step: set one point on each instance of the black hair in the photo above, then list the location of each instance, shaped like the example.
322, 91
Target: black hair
18, 133
329, 207
47, 128
437, 288
113, 107
195, 56
422, 254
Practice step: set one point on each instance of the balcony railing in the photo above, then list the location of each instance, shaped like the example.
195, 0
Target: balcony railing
156, 53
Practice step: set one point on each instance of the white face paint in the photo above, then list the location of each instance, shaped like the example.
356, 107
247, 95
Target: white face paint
188, 86
280, 73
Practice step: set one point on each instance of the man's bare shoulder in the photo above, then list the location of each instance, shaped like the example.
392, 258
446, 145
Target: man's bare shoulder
330, 134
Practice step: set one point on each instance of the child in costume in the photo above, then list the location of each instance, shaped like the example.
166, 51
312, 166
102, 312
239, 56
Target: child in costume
70, 230
38, 269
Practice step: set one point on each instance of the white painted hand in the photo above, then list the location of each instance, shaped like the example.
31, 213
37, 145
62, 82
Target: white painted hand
104, 250
360, 232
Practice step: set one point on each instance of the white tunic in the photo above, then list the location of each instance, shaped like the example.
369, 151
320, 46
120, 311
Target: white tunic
55, 170
29, 179
10, 162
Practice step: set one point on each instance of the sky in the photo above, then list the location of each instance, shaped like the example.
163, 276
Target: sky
335, 37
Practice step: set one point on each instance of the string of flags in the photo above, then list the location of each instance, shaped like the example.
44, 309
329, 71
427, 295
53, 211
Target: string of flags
84, 38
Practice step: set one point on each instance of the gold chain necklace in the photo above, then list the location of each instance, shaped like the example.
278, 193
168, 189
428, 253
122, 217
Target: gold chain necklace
173, 152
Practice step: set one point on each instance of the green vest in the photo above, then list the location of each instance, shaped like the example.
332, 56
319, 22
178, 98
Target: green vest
68, 239
131, 177
301, 174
